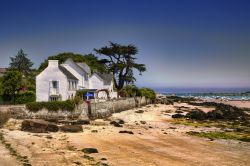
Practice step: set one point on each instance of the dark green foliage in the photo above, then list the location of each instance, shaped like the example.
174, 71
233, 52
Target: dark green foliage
51, 106
21, 63
11, 83
121, 63
89, 59
25, 97
130, 91
81, 93
180, 99
148, 93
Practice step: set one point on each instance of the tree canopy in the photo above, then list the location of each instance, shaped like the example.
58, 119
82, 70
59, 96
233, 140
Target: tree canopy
120, 62
11, 83
89, 59
21, 63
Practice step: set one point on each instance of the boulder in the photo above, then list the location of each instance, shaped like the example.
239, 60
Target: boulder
115, 123
196, 114
177, 116
90, 150
139, 111
127, 132
38, 126
81, 122
71, 128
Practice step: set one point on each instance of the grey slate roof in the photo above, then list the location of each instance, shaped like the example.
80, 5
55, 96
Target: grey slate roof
85, 67
67, 73
107, 78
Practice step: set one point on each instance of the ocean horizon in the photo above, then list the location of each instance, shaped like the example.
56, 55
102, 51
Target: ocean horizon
201, 90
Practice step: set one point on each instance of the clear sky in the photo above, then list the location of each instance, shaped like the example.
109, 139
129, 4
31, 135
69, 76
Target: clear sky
184, 43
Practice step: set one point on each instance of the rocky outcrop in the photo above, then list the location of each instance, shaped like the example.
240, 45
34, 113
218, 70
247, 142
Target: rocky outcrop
71, 128
38, 126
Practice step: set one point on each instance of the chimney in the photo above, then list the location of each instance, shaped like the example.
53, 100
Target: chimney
53, 63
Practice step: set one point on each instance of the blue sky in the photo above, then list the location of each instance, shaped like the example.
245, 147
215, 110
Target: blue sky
184, 43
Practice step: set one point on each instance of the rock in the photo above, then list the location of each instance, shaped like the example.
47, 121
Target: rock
77, 163
178, 111
38, 126
49, 137
172, 127
116, 124
196, 114
125, 131
103, 158
94, 131
81, 122
143, 122
90, 150
139, 111
120, 121
71, 128
99, 122
177, 116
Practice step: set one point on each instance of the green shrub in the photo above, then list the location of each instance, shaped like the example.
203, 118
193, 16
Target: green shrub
130, 91
25, 97
81, 93
148, 93
68, 105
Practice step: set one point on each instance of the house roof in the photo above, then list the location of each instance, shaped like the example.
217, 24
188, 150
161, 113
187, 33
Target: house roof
3, 70
67, 73
85, 67
107, 78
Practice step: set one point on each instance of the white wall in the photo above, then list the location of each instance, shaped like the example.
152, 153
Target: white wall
77, 72
95, 82
51, 73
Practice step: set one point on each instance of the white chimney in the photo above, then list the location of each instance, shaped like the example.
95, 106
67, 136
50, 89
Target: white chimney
53, 63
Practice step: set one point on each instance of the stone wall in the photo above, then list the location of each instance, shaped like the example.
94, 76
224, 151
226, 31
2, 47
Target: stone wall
105, 109
82, 111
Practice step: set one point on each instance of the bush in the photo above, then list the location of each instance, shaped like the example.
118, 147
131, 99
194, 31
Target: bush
130, 91
148, 93
68, 105
81, 93
25, 97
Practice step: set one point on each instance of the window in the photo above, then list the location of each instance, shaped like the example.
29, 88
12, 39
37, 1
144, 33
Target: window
54, 98
54, 84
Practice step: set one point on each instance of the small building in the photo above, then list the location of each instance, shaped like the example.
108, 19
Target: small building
61, 81
2, 71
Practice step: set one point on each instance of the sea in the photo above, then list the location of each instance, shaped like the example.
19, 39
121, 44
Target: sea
209, 93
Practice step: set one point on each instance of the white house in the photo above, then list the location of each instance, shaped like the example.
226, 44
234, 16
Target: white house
60, 82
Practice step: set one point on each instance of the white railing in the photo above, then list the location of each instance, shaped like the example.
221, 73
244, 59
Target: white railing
53, 91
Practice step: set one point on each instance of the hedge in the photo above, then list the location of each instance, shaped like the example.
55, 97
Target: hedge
21, 98
68, 105
25, 97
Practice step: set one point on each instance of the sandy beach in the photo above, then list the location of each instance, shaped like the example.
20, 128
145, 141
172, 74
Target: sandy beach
156, 141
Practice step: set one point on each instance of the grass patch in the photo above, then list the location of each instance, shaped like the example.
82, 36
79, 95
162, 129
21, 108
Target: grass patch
193, 123
222, 135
